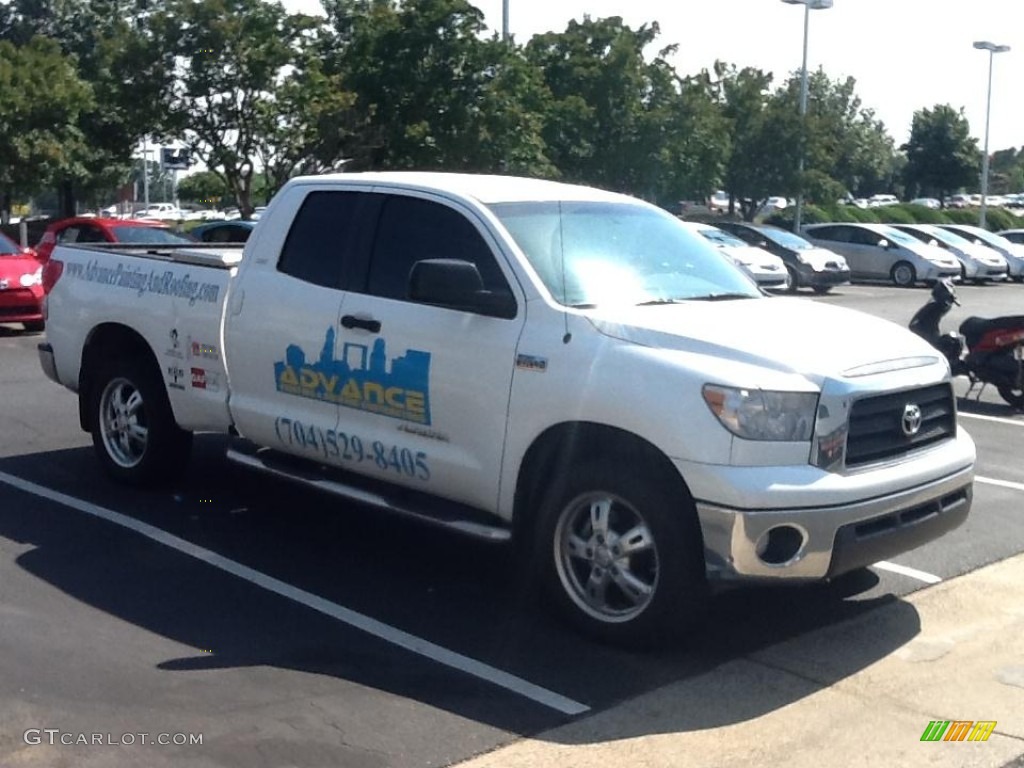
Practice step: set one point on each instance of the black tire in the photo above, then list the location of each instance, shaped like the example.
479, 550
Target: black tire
668, 556
134, 433
821, 290
37, 327
794, 280
903, 274
1013, 395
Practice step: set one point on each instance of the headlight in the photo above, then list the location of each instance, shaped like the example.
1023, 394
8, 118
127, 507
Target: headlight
757, 414
32, 278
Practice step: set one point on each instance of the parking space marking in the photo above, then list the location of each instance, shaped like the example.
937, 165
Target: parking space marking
1000, 483
345, 615
997, 419
903, 570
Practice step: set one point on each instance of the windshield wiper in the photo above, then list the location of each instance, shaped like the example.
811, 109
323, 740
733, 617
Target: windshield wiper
655, 302
723, 297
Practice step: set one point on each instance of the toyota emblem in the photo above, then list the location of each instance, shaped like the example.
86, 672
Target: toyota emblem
911, 421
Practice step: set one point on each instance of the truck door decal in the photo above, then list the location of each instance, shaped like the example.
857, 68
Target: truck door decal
363, 379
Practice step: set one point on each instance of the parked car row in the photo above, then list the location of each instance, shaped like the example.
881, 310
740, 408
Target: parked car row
907, 254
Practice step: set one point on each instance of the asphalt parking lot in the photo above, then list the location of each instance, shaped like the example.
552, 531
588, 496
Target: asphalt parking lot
286, 630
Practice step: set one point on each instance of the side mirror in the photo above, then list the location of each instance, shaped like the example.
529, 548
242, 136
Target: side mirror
883, 244
457, 284
763, 244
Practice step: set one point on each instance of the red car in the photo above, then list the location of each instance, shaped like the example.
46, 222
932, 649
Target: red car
21, 285
84, 229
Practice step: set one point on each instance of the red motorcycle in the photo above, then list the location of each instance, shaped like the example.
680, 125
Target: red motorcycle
987, 350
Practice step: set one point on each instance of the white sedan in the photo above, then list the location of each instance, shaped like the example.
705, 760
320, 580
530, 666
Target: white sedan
767, 269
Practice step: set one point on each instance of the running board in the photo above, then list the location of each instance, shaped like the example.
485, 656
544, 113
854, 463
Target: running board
418, 506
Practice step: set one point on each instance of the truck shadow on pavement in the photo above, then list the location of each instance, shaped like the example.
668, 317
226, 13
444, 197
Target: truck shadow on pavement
460, 594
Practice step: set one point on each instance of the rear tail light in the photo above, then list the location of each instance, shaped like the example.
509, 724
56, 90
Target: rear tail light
52, 271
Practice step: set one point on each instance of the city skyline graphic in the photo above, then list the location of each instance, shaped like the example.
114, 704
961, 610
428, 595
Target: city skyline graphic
363, 378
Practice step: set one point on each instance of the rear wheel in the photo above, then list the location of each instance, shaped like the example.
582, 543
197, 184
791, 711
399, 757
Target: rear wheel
821, 290
621, 555
903, 274
1013, 395
35, 327
134, 433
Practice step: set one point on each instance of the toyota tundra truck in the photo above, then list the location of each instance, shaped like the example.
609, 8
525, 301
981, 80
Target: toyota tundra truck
561, 368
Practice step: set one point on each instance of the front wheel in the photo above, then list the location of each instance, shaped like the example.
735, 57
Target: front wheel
621, 555
1013, 395
821, 290
903, 274
134, 432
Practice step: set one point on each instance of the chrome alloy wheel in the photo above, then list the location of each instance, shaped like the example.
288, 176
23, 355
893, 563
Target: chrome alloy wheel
123, 423
606, 557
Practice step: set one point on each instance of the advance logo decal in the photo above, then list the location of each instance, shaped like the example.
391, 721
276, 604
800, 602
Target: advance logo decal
363, 379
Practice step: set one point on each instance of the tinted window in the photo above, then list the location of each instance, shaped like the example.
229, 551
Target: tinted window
865, 237
321, 239
410, 230
7, 245
148, 236
827, 233
90, 234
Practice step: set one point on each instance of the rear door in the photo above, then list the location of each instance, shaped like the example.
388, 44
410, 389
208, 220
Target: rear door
426, 396
281, 337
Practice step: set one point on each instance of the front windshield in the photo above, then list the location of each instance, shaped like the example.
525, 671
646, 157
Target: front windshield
149, 236
721, 238
595, 253
786, 239
987, 237
7, 245
945, 236
897, 236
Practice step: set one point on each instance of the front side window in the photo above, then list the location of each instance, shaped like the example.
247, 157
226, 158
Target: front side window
595, 253
411, 229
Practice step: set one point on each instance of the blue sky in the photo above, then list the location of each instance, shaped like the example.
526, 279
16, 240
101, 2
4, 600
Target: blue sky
904, 54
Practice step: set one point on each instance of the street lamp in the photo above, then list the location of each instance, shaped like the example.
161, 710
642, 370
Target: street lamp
809, 5
993, 49
504, 20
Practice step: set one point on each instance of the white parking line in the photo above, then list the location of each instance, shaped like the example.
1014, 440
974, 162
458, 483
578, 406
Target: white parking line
360, 621
1000, 483
903, 570
997, 419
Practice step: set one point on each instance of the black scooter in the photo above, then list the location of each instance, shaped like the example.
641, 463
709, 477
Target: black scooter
987, 350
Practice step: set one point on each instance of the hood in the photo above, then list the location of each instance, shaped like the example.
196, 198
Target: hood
985, 255
749, 255
786, 335
933, 253
12, 268
819, 257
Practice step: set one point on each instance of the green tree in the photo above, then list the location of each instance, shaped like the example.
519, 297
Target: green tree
765, 133
942, 157
232, 57
41, 99
113, 48
432, 91
844, 140
204, 187
621, 122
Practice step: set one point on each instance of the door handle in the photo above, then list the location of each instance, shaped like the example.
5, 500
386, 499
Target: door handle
351, 321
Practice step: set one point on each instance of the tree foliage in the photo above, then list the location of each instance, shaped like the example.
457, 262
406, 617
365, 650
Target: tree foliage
942, 156
41, 98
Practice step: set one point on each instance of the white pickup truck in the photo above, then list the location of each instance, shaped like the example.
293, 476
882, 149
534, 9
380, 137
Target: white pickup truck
522, 359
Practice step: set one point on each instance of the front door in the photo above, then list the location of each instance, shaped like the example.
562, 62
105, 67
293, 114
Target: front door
427, 391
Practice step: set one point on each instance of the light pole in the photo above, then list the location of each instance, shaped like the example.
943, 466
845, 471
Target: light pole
809, 5
993, 49
504, 20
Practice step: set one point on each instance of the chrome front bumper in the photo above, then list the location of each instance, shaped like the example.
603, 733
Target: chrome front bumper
835, 539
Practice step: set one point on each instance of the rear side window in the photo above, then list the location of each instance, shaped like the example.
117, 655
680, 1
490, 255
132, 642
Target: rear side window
411, 229
321, 241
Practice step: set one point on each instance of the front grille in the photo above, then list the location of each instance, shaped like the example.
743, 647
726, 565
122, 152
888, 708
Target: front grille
876, 424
